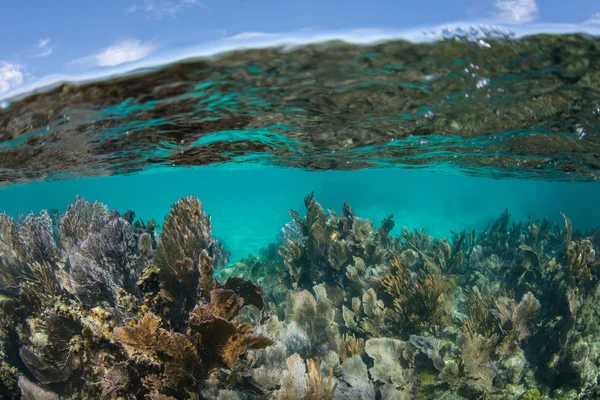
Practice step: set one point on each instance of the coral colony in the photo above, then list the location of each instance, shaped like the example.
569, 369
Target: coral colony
99, 305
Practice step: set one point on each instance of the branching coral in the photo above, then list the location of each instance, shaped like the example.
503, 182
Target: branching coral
452, 254
419, 302
480, 318
580, 256
327, 244
304, 382
213, 341
225, 340
317, 387
350, 346
491, 335
176, 353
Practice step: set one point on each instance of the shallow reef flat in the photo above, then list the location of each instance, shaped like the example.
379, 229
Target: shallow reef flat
97, 304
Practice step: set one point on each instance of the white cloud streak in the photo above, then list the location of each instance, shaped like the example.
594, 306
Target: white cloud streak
120, 53
11, 75
252, 35
44, 48
160, 9
594, 20
516, 11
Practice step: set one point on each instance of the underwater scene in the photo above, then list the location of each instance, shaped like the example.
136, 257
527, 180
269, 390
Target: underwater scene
392, 220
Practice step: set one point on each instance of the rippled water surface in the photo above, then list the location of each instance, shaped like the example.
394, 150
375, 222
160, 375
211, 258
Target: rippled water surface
521, 108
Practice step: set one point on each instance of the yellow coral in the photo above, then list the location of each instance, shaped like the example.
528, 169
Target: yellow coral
317, 388
350, 346
420, 302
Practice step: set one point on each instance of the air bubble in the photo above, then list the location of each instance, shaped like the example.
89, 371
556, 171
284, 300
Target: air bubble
483, 82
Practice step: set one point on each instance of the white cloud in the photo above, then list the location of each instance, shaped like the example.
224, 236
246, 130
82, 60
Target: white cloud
164, 8
594, 20
43, 43
252, 35
516, 11
120, 53
44, 49
10, 76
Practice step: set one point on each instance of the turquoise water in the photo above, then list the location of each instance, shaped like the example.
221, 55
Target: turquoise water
249, 205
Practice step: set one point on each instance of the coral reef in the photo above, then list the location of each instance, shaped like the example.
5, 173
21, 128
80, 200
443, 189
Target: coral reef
95, 297
509, 312
97, 305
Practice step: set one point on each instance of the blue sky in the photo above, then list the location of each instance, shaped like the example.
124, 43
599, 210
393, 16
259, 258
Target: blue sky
72, 37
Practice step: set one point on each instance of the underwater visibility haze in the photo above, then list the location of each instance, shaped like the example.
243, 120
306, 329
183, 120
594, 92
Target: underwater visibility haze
389, 220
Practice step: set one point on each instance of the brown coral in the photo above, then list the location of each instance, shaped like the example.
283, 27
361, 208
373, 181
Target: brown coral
176, 351
580, 255
418, 303
350, 346
317, 388
183, 255
480, 317
476, 354
517, 317
223, 340
142, 337
80, 218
